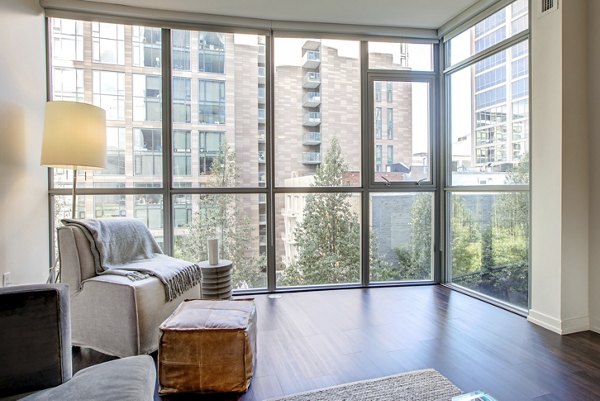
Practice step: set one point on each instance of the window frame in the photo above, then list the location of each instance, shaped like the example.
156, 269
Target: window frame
449, 189
168, 191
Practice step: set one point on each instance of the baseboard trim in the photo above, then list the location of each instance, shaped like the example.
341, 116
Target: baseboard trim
561, 327
546, 321
595, 324
575, 325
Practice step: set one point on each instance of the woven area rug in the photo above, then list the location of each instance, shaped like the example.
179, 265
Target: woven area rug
419, 385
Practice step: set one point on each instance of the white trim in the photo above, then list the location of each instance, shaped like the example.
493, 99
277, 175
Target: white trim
595, 324
558, 326
546, 321
575, 325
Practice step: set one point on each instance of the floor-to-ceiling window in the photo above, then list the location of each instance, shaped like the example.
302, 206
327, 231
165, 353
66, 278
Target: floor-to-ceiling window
315, 160
487, 188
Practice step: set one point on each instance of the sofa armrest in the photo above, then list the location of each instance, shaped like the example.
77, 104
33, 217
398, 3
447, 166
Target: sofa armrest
131, 378
35, 339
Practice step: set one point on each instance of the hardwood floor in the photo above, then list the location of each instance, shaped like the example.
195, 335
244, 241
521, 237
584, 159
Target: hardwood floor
315, 339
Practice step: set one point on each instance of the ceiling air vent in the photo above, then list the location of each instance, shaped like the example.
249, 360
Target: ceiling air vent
549, 6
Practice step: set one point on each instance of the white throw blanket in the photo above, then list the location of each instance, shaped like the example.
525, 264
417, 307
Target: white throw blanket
125, 246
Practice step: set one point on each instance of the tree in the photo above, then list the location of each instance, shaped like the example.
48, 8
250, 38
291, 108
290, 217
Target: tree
328, 237
414, 259
223, 216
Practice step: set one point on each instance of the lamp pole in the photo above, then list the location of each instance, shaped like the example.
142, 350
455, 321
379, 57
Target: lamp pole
74, 194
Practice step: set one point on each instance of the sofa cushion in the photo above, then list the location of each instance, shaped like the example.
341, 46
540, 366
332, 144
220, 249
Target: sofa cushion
128, 379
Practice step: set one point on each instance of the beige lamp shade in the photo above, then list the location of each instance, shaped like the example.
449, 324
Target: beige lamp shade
74, 136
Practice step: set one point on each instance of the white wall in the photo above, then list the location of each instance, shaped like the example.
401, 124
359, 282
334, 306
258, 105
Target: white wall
23, 182
560, 208
594, 155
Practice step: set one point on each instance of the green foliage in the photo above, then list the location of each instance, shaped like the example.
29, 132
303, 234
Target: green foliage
328, 238
414, 259
380, 270
491, 255
223, 216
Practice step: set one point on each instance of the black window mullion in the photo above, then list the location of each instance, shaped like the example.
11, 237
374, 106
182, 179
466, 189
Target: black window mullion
167, 137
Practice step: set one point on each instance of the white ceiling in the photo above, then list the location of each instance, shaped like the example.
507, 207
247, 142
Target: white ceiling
395, 13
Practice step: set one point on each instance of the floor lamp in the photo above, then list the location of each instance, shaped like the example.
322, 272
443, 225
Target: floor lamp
74, 138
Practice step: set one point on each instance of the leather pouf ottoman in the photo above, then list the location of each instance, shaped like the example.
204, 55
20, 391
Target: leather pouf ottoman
208, 346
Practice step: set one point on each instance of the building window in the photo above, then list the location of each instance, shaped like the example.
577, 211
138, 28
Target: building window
378, 157
390, 91
390, 155
180, 48
67, 84
149, 207
378, 91
146, 44
67, 39
211, 52
147, 103
109, 93
211, 144
390, 123
147, 151
182, 210
211, 106
378, 123
115, 151
182, 100
182, 152
108, 43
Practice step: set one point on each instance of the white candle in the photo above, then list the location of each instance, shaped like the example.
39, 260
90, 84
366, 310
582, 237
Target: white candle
213, 251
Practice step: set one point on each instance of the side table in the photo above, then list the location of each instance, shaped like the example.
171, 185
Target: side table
216, 280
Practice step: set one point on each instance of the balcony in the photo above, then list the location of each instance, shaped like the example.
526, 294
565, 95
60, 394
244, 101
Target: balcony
311, 157
311, 80
312, 119
311, 59
311, 99
311, 45
262, 116
312, 138
262, 75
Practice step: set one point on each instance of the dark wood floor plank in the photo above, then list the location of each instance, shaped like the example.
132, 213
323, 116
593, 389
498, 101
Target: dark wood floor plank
309, 340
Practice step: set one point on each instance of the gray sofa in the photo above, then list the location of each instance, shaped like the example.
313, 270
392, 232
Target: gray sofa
109, 313
36, 359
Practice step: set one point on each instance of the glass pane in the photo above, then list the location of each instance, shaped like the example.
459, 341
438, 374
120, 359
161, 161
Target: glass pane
146, 207
401, 131
489, 244
314, 116
237, 221
489, 120
494, 29
215, 79
401, 236
401, 56
318, 238
105, 76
